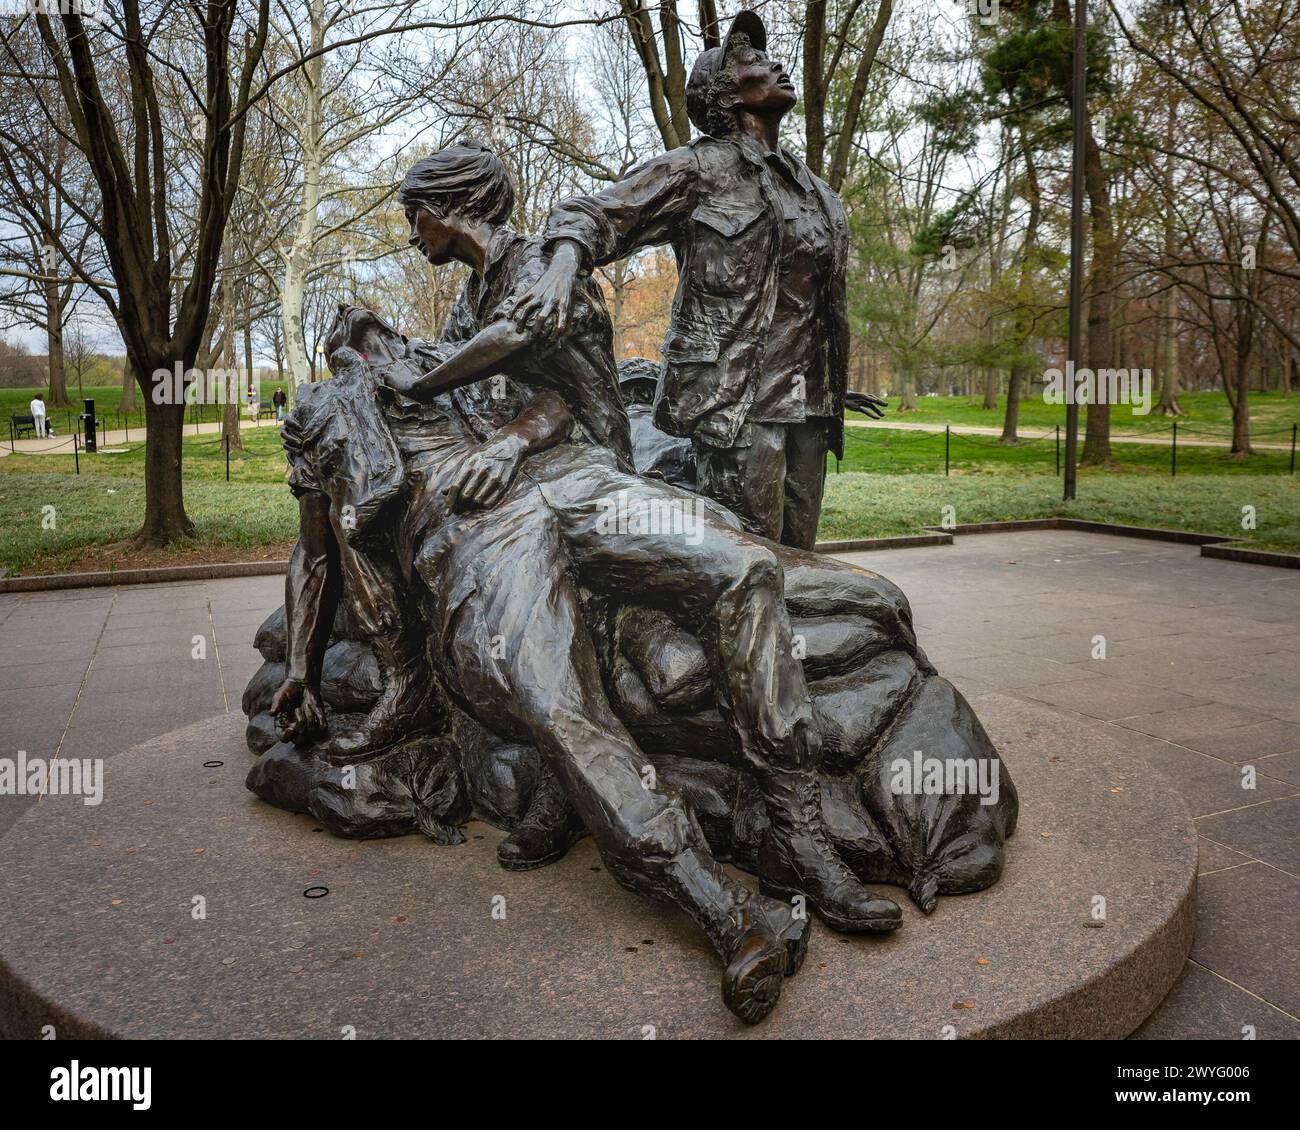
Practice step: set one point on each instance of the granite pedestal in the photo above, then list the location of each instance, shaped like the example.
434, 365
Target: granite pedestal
306, 935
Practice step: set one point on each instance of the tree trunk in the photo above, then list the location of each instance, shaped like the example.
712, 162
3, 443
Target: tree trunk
1241, 379
250, 386
1241, 415
1011, 422
674, 69
1101, 279
814, 84
231, 382
54, 347
907, 393
1169, 381
165, 519
852, 109
1101, 346
298, 261
1169, 405
128, 388
990, 390
618, 284
637, 17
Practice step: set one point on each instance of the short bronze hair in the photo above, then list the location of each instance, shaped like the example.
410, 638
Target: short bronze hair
467, 179
721, 120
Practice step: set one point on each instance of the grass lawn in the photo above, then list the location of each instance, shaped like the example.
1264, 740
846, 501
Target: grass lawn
1208, 414
103, 504
890, 482
879, 450
99, 510
108, 399
202, 457
881, 505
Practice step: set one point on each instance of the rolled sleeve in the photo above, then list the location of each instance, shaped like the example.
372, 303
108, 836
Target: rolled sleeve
302, 474
641, 210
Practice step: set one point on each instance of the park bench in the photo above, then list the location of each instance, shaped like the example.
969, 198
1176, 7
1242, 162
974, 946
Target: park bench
20, 424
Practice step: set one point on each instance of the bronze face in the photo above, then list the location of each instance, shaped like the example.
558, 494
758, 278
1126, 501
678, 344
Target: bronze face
762, 85
431, 236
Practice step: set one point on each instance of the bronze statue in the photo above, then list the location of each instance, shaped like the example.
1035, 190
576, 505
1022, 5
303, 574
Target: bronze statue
491, 612
756, 357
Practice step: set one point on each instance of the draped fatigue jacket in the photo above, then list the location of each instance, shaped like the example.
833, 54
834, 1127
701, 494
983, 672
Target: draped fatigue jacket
715, 202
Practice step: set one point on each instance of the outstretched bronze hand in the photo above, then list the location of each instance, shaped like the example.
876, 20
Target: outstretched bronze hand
868, 405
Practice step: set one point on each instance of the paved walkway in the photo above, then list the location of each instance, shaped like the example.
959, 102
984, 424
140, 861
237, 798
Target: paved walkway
1201, 676
62, 444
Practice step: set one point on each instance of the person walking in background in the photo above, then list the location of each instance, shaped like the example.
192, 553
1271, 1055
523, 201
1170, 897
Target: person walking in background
38, 414
279, 400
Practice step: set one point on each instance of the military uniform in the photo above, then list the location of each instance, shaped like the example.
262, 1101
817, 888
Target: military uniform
755, 359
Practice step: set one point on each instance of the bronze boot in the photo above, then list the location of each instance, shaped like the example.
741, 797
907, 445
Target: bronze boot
761, 941
549, 828
798, 858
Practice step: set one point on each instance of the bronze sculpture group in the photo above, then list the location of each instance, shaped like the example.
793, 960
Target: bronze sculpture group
520, 595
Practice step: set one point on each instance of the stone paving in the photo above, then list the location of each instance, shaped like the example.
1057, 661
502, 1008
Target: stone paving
1201, 676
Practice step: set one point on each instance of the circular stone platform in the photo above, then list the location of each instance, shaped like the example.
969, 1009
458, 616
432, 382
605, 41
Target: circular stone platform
98, 936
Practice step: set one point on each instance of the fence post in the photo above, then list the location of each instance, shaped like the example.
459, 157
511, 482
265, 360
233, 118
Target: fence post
76, 445
1173, 452
1058, 450
1293, 428
13, 449
227, 439
947, 439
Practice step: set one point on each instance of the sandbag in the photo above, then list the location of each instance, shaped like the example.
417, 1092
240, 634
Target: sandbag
656, 453
668, 658
262, 686
500, 776
350, 682
260, 734
701, 734
853, 710
350, 678
834, 645
945, 839
271, 637
672, 664
272, 634
416, 787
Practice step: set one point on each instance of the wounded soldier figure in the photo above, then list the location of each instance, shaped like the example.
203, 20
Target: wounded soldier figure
470, 513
